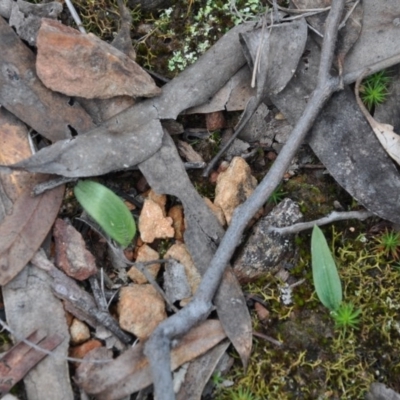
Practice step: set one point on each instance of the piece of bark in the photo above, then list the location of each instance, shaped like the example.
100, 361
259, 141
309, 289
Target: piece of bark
78, 64
29, 302
17, 361
71, 253
130, 372
22, 93
176, 283
24, 220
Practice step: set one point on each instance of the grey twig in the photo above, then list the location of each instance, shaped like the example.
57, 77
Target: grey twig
332, 217
157, 348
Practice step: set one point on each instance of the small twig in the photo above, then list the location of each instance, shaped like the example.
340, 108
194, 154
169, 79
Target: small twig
98, 294
157, 348
333, 216
343, 23
75, 16
268, 338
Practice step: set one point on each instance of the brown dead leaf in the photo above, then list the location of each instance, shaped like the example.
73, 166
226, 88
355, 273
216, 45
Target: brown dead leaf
15, 364
82, 65
23, 94
130, 372
26, 219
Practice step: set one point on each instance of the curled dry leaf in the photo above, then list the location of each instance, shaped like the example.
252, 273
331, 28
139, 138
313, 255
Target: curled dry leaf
130, 372
24, 220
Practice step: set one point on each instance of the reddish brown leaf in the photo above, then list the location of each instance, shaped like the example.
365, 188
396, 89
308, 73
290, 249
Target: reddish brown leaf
26, 220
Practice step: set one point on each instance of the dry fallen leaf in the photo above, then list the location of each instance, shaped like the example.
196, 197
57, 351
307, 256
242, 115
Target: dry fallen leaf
26, 220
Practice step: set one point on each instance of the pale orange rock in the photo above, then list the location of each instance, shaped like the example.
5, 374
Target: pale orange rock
145, 253
81, 350
153, 224
179, 252
217, 211
79, 332
234, 186
160, 199
140, 310
82, 65
176, 213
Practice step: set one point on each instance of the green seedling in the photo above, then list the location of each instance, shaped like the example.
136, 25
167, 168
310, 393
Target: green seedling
277, 196
242, 394
327, 283
108, 210
388, 244
374, 89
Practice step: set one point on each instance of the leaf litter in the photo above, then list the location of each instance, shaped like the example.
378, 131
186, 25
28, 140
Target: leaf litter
136, 137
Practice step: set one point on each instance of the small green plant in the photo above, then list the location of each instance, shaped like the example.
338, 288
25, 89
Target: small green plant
108, 210
242, 394
327, 283
388, 244
277, 196
374, 89
346, 316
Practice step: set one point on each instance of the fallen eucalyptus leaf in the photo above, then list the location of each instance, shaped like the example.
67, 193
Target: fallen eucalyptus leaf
108, 210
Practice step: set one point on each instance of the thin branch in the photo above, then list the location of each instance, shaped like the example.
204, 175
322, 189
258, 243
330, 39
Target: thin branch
157, 348
75, 16
332, 217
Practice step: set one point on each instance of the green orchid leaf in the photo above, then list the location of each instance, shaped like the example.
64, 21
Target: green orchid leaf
108, 210
325, 275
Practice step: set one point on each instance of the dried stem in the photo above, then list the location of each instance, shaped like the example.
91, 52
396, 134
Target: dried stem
332, 217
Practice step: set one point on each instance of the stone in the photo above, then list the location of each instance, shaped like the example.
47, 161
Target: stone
215, 121
144, 253
234, 186
78, 64
81, 350
71, 254
217, 211
140, 310
176, 213
176, 284
79, 332
179, 252
153, 224
266, 251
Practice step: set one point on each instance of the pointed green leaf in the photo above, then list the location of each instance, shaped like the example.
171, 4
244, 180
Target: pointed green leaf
108, 210
325, 275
